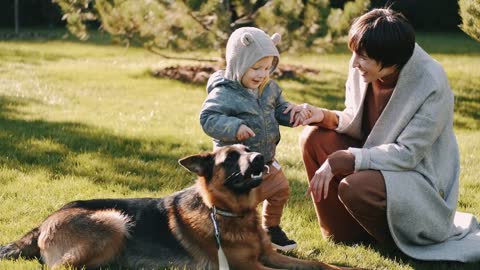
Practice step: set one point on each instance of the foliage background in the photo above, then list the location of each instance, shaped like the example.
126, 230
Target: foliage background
426, 15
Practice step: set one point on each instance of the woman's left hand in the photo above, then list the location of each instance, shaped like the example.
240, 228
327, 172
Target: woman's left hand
320, 182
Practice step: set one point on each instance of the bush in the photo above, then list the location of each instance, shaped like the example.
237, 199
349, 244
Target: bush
470, 13
192, 24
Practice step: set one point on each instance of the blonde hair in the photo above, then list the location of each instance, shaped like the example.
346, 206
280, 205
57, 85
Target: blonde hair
263, 84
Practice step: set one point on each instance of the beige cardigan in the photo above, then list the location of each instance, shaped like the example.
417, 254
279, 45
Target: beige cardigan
414, 146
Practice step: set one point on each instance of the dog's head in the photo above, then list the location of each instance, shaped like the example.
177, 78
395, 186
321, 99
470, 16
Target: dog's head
230, 170
240, 169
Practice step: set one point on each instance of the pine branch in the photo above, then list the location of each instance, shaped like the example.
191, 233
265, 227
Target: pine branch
247, 19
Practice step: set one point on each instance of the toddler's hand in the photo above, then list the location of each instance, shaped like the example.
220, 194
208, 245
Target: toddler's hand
299, 113
244, 133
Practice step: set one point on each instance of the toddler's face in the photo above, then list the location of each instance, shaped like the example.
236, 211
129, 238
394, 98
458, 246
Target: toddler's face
257, 73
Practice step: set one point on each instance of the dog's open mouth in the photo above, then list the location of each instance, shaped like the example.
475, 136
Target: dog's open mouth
251, 178
255, 171
243, 183
255, 179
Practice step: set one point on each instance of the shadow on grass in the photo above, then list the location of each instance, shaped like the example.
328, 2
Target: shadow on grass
64, 148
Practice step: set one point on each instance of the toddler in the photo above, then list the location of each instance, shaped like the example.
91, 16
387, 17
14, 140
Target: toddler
245, 106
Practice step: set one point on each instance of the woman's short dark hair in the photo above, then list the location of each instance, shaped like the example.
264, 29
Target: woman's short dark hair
383, 35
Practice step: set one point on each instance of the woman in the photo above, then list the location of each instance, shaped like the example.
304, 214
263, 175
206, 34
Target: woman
387, 166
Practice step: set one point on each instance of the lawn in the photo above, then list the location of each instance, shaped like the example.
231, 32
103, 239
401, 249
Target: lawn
86, 120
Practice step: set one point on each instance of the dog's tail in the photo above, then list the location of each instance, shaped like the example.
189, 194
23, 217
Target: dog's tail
27, 247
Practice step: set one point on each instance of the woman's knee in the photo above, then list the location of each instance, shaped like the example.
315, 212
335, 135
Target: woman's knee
350, 190
356, 188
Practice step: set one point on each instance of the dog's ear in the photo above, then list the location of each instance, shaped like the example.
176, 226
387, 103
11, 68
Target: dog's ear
199, 164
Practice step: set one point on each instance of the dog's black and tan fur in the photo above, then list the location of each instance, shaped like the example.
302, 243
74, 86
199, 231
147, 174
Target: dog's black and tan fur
176, 231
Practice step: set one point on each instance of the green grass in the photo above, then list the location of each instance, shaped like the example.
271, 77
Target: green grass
80, 121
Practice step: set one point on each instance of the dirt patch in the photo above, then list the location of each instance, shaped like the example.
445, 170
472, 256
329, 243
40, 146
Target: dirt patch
199, 74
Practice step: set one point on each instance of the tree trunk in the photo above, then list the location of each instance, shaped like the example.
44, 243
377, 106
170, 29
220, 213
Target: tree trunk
16, 16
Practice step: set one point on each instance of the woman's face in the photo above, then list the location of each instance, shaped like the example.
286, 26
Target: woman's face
256, 74
370, 70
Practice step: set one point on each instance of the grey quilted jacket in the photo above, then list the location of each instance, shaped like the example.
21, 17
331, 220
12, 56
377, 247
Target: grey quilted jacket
229, 104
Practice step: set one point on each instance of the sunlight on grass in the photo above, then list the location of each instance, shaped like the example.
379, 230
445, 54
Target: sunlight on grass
82, 121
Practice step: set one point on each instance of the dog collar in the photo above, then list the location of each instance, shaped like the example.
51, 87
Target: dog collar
224, 212
214, 211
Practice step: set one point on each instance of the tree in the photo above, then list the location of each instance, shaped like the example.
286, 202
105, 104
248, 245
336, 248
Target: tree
339, 20
191, 24
470, 13
77, 14
17, 17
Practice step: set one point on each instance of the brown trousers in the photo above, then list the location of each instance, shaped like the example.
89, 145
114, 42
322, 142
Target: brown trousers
355, 208
274, 192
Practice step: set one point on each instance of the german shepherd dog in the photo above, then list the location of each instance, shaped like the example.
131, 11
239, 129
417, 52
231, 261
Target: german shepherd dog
186, 229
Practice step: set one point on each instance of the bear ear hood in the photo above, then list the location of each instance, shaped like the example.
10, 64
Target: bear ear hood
276, 38
245, 47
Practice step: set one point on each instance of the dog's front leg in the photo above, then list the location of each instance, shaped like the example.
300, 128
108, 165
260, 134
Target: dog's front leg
277, 260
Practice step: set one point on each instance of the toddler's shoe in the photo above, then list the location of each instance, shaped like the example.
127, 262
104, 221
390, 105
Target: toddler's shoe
279, 239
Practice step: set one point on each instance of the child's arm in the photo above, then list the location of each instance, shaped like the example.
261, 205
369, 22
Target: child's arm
283, 118
215, 118
291, 115
281, 105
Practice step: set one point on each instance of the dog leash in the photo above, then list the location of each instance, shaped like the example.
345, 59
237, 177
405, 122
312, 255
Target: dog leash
222, 259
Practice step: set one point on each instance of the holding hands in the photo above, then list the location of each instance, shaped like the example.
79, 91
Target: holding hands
304, 114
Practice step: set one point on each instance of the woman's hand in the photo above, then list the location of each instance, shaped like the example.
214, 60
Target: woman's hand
304, 114
316, 115
244, 133
298, 113
320, 182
